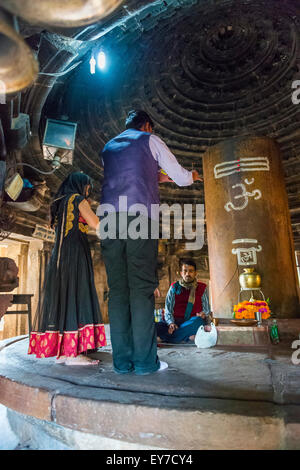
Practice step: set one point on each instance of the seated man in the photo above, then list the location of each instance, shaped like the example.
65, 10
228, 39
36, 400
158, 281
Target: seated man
187, 307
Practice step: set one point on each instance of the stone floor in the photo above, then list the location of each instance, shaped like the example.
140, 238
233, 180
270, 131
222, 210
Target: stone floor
8, 439
224, 397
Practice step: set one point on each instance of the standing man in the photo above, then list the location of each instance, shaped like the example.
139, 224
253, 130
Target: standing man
131, 163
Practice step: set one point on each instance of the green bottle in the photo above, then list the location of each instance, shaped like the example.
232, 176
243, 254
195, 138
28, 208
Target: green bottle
274, 335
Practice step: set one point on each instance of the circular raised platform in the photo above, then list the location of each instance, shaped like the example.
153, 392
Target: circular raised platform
220, 398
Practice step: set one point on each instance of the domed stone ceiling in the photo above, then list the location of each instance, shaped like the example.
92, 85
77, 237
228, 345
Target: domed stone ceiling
205, 71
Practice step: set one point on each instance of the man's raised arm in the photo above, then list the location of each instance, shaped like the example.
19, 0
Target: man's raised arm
168, 162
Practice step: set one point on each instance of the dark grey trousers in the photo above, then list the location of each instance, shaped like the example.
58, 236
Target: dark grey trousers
132, 278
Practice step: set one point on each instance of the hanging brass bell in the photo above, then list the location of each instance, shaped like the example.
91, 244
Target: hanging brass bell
18, 66
67, 13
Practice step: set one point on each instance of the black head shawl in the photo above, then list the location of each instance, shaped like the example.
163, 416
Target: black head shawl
75, 183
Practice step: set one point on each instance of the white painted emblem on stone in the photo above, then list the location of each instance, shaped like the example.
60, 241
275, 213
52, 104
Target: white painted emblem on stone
246, 255
242, 164
245, 240
256, 194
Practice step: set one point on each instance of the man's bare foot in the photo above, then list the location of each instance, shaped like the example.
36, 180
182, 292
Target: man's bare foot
192, 338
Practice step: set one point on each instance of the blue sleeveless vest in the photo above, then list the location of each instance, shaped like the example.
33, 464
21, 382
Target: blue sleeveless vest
130, 170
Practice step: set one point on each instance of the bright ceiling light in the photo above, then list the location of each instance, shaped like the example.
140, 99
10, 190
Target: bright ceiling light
101, 60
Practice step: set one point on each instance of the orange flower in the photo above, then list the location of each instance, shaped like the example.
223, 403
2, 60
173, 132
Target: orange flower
247, 309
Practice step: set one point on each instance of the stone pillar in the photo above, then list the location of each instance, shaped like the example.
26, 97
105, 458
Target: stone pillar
23, 271
10, 326
38, 258
44, 255
100, 280
248, 224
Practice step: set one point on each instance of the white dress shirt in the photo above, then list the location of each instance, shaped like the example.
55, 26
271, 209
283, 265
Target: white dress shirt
167, 161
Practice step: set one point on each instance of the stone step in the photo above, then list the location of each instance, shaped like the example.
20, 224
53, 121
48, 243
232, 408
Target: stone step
231, 335
242, 335
217, 398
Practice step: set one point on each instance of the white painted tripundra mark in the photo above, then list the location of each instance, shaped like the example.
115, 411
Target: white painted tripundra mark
242, 164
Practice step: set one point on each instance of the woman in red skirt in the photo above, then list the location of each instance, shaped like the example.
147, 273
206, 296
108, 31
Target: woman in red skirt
68, 322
